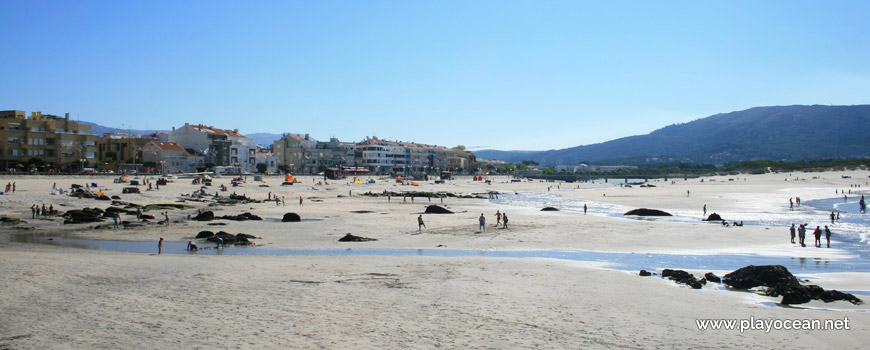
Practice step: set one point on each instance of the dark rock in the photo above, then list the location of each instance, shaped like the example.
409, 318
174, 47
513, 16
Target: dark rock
242, 241
549, 209
682, 277
245, 235
224, 234
204, 216
116, 197
146, 217
82, 216
435, 209
103, 198
713, 217
204, 234
755, 276
781, 282
241, 217
291, 217
351, 238
834, 295
712, 277
647, 212
130, 190
644, 273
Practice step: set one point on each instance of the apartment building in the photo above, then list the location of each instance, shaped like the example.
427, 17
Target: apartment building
56, 142
222, 146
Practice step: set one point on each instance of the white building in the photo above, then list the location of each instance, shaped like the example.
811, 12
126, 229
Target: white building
170, 157
221, 146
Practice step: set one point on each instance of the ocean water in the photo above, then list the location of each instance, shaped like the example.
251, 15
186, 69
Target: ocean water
851, 232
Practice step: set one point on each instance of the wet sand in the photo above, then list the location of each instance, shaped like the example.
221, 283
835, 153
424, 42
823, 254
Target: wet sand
58, 297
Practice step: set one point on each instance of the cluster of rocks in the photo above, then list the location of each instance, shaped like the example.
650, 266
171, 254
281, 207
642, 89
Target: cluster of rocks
549, 209
226, 238
209, 216
647, 212
776, 278
780, 282
684, 277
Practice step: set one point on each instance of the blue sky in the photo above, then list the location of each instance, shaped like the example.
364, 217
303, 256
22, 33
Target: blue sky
529, 75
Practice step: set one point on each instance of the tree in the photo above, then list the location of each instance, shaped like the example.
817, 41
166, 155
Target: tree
262, 167
284, 168
529, 163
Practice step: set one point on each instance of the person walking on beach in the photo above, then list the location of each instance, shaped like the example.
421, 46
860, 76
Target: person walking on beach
802, 234
818, 234
584, 209
497, 218
166, 217
504, 220
482, 220
790, 203
705, 210
420, 224
828, 235
300, 201
160, 246
832, 218
791, 230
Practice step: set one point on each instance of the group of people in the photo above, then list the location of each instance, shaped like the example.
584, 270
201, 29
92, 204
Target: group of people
10, 187
500, 219
801, 232
36, 210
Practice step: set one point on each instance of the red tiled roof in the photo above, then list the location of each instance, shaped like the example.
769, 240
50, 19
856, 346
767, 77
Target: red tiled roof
168, 146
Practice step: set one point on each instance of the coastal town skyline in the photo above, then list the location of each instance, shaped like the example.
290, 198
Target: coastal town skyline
497, 75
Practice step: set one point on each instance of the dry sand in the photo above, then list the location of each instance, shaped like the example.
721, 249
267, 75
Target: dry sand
60, 297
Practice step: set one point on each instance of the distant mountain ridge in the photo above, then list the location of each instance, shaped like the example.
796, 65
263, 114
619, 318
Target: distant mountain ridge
786, 133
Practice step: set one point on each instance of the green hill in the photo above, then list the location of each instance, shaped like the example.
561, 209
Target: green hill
782, 133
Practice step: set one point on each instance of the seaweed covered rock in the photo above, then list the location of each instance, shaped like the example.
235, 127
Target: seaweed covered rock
644, 273
291, 217
682, 277
244, 235
549, 209
351, 238
647, 212
436, 209
204, 234
82, 216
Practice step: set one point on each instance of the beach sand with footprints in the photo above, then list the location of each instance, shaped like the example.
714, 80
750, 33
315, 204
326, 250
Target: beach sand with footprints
66, 297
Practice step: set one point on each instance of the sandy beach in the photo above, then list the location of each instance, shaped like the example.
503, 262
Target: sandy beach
62, 297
